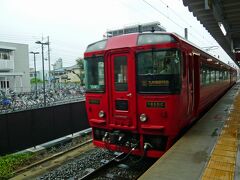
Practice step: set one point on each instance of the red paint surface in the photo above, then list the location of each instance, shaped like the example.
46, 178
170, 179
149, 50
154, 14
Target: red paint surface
180, 110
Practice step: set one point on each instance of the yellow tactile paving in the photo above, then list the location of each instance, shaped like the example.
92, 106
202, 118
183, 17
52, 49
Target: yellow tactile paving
215, 174
228, 140
225, 141
230, 130
221, 165
224, 153
226, 147
230, 133
231, 123
223, 159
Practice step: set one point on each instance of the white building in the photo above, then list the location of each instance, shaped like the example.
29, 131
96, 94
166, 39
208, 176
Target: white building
32, 74
46, 74
14, 67
58, 64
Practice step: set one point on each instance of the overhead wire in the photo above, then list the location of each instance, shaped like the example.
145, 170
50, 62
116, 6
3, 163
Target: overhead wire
134, 9
203, 40
186, 22
162, 13
167, 17
211, 43
68, 51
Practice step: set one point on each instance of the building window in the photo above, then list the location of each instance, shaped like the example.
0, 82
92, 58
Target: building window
5, 55
4, 84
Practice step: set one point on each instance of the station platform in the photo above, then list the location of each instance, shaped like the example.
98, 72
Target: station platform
209, 149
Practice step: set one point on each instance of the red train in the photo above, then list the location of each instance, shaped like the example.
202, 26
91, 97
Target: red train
142, 89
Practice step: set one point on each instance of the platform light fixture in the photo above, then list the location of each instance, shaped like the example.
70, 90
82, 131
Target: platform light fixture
220, 24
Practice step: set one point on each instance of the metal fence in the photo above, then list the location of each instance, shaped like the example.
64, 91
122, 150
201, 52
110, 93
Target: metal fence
11, 101
24, 129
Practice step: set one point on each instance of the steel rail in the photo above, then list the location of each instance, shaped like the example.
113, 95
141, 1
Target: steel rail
102, 168
51, 157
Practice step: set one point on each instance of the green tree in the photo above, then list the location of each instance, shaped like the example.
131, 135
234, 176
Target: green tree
37, 81
81, 75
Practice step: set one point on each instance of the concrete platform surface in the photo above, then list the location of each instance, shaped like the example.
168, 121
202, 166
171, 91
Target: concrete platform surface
190, 155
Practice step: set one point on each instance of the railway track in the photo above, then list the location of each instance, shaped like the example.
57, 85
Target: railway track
53, 157
86, 163
36, 168
120, 168
94, 173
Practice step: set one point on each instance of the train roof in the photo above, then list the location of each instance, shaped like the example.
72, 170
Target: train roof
138, 39
132, 40
122, 41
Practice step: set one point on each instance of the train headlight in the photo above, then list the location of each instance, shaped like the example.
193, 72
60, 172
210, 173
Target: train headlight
101, 114
143, 118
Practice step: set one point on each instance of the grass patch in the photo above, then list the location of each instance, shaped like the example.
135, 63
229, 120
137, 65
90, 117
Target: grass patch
11, 162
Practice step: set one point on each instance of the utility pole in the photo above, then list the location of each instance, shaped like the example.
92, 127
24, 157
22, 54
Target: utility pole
44, 88
49, 64
35, 71
53, 76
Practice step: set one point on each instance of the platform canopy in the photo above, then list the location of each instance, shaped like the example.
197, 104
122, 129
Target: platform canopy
222, 20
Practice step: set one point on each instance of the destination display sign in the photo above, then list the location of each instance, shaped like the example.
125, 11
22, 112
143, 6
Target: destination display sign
155, 104
94, 101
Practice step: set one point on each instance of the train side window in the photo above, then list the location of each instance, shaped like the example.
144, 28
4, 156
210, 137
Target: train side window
225, 75
207, 76
184, 64
201, 75
220, 75
204, 75
213, 76
217, 76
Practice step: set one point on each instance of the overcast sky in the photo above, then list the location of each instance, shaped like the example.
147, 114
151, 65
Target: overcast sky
73, 24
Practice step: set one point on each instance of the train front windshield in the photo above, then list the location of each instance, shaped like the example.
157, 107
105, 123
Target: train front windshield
94, 74
159, 71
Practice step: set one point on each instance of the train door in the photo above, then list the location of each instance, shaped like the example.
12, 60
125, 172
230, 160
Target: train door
196, 82
193, 83
122, 90
190, 89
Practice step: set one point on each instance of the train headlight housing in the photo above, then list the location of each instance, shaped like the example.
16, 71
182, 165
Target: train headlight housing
101, 114
143, 118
